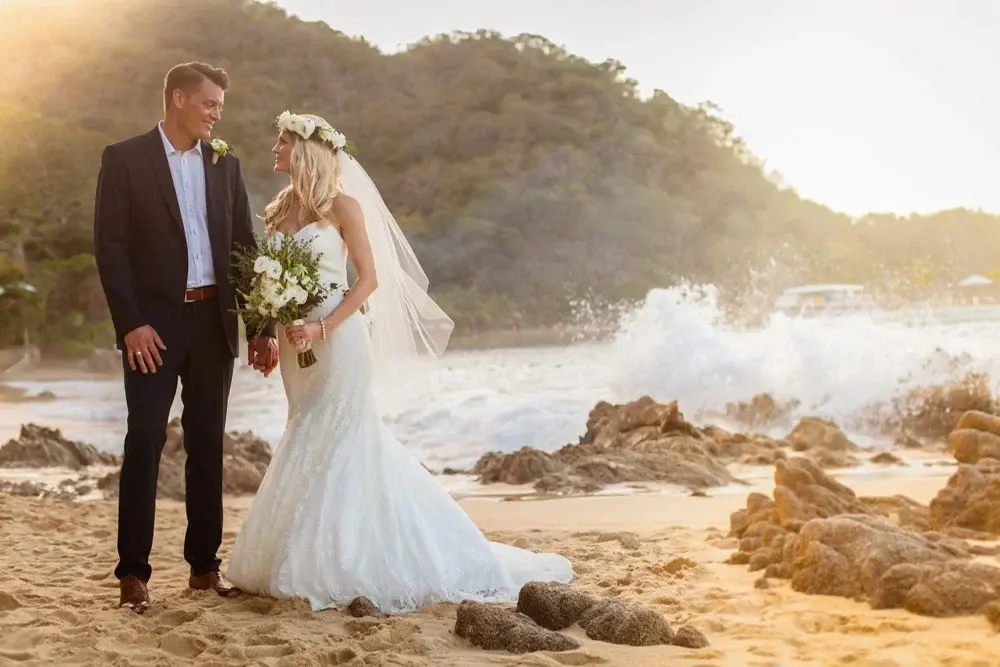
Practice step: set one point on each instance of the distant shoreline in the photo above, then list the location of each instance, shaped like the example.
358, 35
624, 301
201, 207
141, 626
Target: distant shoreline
56, 369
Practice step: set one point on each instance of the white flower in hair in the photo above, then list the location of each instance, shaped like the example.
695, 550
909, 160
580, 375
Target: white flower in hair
308, 128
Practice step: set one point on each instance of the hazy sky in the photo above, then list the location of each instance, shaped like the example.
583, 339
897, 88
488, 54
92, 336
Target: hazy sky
886, 105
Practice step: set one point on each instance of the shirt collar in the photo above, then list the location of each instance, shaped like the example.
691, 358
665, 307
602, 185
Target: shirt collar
169, 147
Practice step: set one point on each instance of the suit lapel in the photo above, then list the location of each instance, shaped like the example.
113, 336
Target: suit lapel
215, 190
158, 158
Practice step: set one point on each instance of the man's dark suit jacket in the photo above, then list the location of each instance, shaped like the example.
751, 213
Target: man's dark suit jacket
139, 239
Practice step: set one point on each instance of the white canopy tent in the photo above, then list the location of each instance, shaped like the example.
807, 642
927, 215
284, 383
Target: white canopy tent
975, 280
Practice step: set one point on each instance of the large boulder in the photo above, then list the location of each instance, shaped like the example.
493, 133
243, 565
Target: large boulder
40, 447
245, 460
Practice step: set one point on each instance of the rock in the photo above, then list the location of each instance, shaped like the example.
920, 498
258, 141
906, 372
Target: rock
803, 492
970, 445
556, 606
993, 615
887, 458
40, 447
646, 441
677, 566
827, 541
361, 607
495, 628
902, 511
762, 410
869, 558
24, 489
27, 489
818, 439
689, 637
813, 433
979, 421
746, 448
552, 605
614, 622
523, 466
245, 460
970, 500
641, 441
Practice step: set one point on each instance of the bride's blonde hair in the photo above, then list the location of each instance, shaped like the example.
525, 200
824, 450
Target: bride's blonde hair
315, 181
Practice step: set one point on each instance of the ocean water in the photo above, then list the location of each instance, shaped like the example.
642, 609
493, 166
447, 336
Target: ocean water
675, 346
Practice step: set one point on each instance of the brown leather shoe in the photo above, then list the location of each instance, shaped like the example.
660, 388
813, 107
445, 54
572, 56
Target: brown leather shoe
134, 594
214, 581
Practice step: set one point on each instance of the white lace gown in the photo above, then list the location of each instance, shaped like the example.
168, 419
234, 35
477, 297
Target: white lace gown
345, 510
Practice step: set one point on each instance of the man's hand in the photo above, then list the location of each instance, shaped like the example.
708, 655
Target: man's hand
262, 354
142, 347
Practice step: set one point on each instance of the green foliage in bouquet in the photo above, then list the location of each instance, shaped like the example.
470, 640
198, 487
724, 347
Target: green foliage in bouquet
277, 281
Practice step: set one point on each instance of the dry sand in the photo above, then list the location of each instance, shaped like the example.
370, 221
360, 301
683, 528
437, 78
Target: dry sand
58, 596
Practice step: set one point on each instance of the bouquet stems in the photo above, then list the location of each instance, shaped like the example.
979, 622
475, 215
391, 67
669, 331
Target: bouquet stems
306, 357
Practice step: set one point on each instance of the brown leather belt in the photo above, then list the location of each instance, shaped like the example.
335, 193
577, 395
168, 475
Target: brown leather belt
199, 293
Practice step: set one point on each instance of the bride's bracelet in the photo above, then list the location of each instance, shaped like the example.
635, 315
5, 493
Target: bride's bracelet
322, 329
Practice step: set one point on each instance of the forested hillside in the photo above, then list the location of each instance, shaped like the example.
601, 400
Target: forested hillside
525, 176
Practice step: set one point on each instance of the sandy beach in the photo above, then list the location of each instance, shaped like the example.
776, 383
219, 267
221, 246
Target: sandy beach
658, 534
58, 596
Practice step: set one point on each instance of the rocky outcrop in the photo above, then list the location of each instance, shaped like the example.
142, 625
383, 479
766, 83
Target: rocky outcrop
828, 541
245, 460
976, 437
546, 608
762, 410
41, 447
500, 629
824, 442
870, 558
970, 500
642, 441
969, 504
746, 448
556, 606
646, 441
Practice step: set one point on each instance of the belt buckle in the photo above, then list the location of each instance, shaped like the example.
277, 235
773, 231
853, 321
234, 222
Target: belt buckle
188, 292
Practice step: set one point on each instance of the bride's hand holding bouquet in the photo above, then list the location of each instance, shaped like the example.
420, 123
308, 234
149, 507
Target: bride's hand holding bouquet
279, 281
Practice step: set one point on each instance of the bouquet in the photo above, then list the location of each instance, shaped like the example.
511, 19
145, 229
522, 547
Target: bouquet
279, 281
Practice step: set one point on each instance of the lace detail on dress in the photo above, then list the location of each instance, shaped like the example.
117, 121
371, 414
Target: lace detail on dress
344, 509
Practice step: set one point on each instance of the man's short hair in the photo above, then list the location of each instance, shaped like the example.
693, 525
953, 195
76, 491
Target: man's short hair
189, 76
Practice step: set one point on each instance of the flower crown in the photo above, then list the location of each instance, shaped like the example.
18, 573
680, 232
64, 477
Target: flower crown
308, 128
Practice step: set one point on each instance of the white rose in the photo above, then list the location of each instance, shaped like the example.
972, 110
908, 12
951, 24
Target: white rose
338, 140
308, 126
273, 269
260, 264
300, 295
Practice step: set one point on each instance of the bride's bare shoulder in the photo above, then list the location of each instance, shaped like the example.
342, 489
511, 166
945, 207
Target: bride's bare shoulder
346, 211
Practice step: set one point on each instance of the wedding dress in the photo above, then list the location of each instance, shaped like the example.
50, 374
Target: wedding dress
345, 510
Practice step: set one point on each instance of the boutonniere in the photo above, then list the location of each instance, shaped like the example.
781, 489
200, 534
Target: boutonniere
220, 149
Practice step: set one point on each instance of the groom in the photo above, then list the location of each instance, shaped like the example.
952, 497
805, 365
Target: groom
169, 212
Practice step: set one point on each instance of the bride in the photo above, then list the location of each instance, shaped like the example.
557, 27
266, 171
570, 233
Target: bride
344, 509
